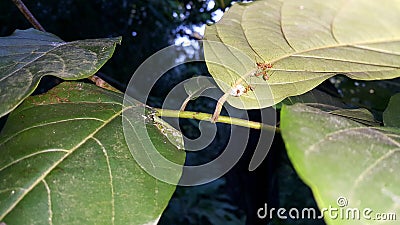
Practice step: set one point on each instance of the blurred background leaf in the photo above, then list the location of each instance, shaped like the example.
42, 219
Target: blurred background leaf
344, 158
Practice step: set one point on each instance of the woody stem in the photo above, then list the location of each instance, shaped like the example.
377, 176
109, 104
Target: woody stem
28, 15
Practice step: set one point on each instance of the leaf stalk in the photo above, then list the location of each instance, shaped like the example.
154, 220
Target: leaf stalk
208, 117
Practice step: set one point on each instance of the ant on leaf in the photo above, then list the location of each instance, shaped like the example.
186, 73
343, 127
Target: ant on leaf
263, 69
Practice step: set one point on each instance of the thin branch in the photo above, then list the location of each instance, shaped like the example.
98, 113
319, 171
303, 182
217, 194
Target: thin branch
184, 104
221, 119
28, 15
218, 108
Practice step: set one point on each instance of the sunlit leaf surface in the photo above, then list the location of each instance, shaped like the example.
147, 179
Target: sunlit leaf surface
306, 42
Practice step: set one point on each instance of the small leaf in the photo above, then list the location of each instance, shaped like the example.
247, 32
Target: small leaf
28, 55
64, 160
196, 86
306, 42
344, 158
391, 116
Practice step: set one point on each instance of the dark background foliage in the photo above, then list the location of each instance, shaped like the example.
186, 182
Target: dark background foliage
150, 25
145, 25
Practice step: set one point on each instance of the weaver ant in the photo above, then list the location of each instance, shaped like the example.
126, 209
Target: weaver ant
263, 69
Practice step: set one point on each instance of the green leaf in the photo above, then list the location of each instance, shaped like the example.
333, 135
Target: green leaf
28, 55
344, 158
359, 115
64, 160
196, 86
306, 41
314, 96
391, 116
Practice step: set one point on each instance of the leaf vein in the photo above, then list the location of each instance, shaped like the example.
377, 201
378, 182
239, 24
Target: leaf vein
33, 60
35, 182
50, 211
111, 179
346, 60
45, 124
31, 155
332, 46
370, 168
281, 28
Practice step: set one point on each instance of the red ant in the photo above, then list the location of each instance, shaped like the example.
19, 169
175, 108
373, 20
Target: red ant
249, 88
262, 69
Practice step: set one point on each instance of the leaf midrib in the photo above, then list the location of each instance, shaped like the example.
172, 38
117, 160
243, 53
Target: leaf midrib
34, 60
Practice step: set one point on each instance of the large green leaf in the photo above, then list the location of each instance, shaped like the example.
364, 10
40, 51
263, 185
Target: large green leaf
306, 41
338, 157
28, 55
64, 160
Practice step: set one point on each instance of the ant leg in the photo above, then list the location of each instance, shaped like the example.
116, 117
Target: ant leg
265, 75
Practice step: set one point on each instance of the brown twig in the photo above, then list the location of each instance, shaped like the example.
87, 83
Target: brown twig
28, 15
184, 104
219, 106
